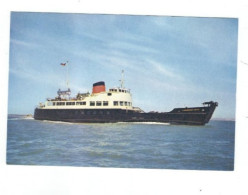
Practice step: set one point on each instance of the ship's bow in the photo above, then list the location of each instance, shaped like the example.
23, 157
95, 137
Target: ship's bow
212, 105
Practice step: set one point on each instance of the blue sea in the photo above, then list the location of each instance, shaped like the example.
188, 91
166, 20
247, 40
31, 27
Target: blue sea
123, 145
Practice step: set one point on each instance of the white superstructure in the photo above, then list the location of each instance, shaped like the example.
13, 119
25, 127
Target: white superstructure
113, 98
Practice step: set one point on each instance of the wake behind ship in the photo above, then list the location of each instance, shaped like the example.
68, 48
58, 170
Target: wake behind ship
115, 105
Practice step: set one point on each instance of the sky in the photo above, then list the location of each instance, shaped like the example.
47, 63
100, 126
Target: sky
168, 61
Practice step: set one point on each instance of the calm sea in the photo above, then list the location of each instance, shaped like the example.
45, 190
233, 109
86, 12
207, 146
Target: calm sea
124, 145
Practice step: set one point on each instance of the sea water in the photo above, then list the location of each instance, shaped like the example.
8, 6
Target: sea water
123, 145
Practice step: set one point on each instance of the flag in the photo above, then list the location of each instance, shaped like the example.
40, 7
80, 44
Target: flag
62, 64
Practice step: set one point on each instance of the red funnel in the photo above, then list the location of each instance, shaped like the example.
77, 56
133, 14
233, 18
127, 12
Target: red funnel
98, 87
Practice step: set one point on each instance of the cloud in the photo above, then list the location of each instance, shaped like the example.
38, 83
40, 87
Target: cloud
24, 43
163, 22
159, 68
35, 76
132, 47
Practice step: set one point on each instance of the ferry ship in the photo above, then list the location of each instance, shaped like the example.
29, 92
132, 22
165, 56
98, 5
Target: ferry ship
115, 105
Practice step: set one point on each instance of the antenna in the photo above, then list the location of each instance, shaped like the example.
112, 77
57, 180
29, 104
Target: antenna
122, 79
67, 74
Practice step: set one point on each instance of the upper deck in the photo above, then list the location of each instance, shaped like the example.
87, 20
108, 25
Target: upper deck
113, 98
120, 90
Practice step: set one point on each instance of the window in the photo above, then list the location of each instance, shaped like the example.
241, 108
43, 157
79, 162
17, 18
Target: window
125, 103
49, 103
70, 103
98, 103
92, 103
115, 103
81, 103
121, 103
60, 103
109, 94
54, 103
105, 103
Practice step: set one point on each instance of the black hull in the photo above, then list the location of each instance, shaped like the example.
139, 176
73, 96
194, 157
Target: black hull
183, 116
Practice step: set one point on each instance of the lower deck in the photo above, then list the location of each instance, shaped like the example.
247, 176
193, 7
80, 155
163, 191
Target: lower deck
197, 116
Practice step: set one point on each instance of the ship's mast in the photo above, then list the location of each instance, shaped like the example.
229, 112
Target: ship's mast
122, 79
66, 93
67, 74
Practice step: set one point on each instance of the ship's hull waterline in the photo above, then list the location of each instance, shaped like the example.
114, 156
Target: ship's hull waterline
183, 116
